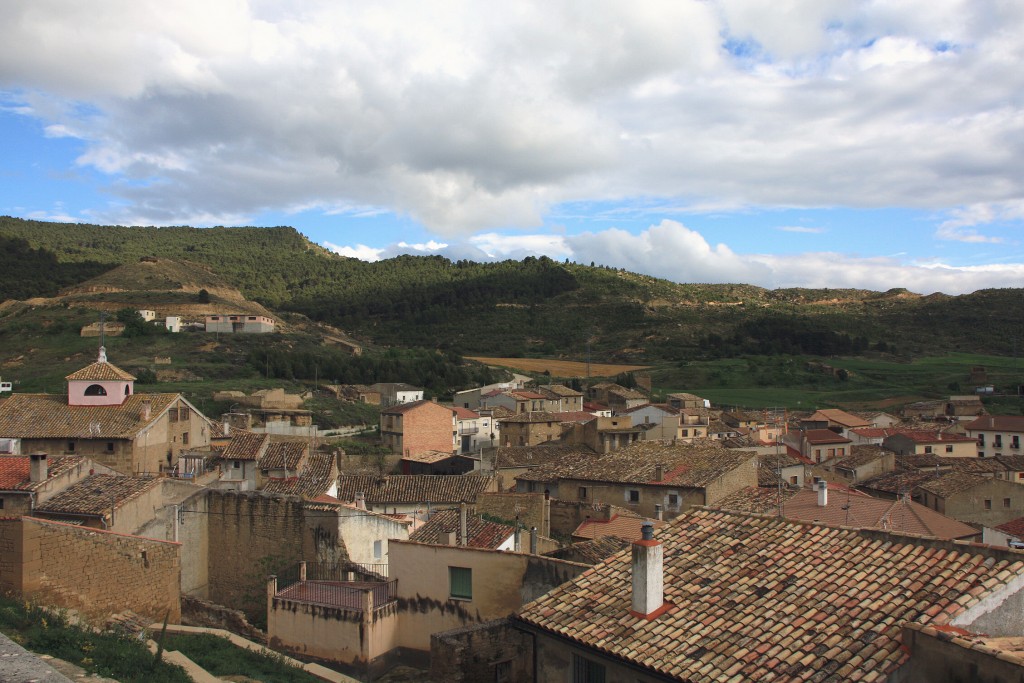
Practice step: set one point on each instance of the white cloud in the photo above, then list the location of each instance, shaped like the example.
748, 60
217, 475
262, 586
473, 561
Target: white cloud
674, 252
359, 251
471, 117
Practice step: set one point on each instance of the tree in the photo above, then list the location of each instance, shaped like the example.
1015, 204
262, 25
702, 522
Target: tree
203, 296
134, 324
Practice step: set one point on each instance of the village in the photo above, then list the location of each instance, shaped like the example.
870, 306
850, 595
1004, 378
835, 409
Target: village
528, 531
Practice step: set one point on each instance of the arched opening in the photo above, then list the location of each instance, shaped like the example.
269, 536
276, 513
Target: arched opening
127, 390
95, 390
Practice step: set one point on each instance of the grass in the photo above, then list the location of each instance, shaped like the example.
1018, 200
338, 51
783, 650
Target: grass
221, 658
120, 656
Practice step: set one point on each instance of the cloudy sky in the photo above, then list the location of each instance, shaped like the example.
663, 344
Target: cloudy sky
819, 143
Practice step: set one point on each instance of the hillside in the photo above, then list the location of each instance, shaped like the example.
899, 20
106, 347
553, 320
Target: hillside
511, 308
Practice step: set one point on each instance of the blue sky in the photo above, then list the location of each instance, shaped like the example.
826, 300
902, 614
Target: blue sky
817, 143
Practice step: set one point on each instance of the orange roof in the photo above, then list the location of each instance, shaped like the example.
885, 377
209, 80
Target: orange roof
100, 371
619, 525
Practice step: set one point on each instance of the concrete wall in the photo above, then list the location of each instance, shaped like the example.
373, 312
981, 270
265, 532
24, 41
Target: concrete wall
969, 506
99, 573
501, 583
482, 652
186, 521
360, 530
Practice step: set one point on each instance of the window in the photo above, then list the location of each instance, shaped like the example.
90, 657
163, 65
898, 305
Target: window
794, 480
633, 496
184, 438
831, 452
378, 550
686, 432
1006, 502
586, 671
949, 449
95, 390
582, 492
997, 441
110, 447
460, 583
988, 503
673, 500
981, 440
503, 672
235, 464
71, 446
927, 449
1, 503
1014, 442
841, 452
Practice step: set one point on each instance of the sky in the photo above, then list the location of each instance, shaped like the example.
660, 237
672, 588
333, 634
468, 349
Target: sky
786, 143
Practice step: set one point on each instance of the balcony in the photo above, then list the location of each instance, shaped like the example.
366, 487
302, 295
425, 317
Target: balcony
468, 430
348, 585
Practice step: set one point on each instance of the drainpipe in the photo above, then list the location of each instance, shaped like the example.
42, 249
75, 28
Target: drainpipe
464, 524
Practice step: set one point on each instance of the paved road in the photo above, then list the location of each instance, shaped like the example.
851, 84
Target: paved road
18, 665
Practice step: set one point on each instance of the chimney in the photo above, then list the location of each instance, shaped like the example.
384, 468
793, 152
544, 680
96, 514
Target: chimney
657, 512
147, 409
463, 524
360, 500
648, 575
450, 538
659, 472
38, 469
227, 428
822, 488
533, 540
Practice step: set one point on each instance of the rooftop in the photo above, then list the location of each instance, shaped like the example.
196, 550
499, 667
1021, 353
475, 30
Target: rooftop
749, 600
313, 482
96, 494
15, 471
952, 483
620, 526
823, 436
481, 533
839, 417
245, 446
48, 416
1000, 423
100, 371
284, 455
414, 488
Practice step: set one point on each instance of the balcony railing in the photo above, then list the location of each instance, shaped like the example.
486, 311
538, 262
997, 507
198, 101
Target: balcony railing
356, 595
466, 431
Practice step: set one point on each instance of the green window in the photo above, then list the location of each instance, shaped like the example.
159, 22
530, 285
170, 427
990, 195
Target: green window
460, 581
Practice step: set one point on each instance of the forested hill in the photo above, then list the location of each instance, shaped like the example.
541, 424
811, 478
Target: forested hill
517, 307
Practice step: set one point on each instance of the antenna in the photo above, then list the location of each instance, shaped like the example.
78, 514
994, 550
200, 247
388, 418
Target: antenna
103, 338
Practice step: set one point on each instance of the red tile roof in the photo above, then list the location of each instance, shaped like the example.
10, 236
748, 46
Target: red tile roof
481, 533
415, 488
840, 417
48, 416
999, 423
15, 470
284, 455
756, 598
246, 446
465, 413
95, 495
816, 436
1015, 527
100, 372
619, 526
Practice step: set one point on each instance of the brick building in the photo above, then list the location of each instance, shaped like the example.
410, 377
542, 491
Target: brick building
417, 427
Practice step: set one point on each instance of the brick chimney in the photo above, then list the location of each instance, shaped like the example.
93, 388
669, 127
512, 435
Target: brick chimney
38, 468
648, 576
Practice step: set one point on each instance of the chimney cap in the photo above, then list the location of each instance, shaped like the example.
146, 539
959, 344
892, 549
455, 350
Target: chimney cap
647, 531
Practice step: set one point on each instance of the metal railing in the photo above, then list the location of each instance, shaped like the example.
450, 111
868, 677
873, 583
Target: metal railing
355, 596
345, 570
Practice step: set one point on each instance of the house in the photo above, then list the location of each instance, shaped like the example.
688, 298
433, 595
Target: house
1008, 534
365, 535
396, 393
924, 410
562, 398
239, 323
27, 481
921, 442
649, 477
447, 590
417, 427
521, 401
240, 470
781, 468
104, 419
283, 459
147, 315
318, 477
838, 505
684, 400
881, 420
819, 445
436, 462
740, 420
416, 494
862, 463
458, 527
964, 407
620, 399
997, 434
840, 420
509, 463
591, 551
112, 502
472, 431
531, 428
172, 324
736, 596
973, 498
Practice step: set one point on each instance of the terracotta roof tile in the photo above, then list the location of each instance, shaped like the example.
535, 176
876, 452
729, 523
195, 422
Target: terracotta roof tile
816, 436
618, 525
43, 416
748, 600
999, 423
284, 455
15, 470
532, 456
951, 483
100, 372
482, 533
246, 446
95, 494
1015, 527
415, 488
465, 413
591, 551
313, 482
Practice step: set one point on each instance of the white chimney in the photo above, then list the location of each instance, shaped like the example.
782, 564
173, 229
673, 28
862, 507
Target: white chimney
227, 428
658, 513
648, 575
360, 501
147, 409
450, 537
38, 467
822, 489
463, 524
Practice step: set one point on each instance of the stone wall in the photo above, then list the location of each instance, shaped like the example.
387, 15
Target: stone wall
492, 651
530, 508
100, 573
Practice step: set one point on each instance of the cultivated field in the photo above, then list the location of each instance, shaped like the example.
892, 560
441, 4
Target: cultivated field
558, 368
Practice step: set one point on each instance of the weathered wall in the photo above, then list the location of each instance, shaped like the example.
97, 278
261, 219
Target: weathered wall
566, 515
12, 554
252, 536
428, 427
501, 583
554, 663
359, 530
189, 525
970, 507
99, 573
351, 637
482, 652
729, 483
530, 508
937, 657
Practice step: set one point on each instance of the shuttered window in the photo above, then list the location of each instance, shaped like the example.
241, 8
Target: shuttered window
460, 581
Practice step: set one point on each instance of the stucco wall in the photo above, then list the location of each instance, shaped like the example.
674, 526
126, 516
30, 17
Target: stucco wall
351, 637
501, 583
359, 531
